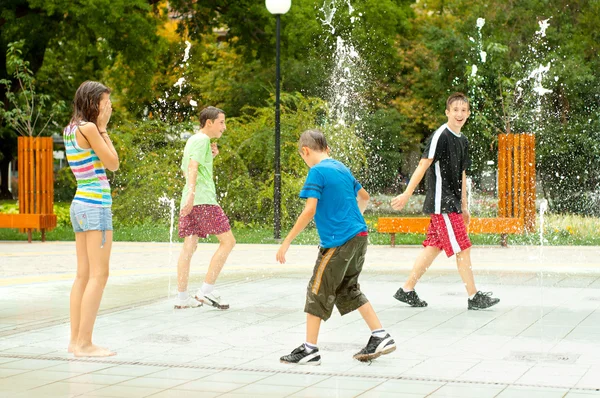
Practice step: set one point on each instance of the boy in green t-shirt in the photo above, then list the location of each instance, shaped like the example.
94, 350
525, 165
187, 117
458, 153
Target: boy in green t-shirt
201, 214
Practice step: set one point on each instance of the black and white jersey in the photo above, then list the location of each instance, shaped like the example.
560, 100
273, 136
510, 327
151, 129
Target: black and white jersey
450, 154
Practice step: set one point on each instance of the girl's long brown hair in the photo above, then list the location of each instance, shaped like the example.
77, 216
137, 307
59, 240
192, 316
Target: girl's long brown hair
86, 104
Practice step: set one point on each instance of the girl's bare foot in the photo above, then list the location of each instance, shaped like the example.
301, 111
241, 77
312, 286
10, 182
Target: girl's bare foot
72, 347
93, 351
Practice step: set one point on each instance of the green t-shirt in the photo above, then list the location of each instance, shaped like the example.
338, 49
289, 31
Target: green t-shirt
197, 147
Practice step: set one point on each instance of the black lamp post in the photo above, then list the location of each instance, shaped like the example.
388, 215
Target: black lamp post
277, 7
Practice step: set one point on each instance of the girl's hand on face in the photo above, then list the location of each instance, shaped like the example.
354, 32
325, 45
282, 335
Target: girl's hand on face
104, 114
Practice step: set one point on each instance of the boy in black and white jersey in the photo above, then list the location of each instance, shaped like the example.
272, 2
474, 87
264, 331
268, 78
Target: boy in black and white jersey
446, 201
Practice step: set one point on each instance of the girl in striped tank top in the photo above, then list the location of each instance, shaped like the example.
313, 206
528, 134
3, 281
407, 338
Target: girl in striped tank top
89, 152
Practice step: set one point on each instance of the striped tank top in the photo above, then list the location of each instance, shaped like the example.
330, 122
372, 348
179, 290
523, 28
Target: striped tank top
93, 188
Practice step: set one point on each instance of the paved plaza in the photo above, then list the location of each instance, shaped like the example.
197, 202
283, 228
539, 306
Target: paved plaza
542, 340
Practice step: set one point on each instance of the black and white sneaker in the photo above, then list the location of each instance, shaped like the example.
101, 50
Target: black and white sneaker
212, 299
376, 347
482, 300
411, 298
302, 357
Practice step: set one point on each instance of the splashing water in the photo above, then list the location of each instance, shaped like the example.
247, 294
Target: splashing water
482, 54
346, 81
537, 76
186, 53
165, 200
543, 27
469, 192
543, 208
474, 80
328, 9
345, 85
180, 82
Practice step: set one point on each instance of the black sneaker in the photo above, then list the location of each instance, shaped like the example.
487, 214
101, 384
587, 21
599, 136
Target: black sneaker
482, 300
301, 357
376, 347
410, 298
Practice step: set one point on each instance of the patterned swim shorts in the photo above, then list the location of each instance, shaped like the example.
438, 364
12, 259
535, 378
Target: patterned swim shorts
448, 232
204, 220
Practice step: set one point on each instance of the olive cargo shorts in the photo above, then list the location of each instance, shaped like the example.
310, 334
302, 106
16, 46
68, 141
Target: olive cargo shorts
335, 279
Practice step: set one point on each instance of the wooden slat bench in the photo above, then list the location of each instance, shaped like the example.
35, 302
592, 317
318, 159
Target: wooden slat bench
29, 222
418, 225
36, 188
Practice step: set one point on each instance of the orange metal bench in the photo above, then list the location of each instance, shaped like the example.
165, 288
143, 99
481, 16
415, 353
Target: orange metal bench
29, 222
516, 195
418, 225
36, 188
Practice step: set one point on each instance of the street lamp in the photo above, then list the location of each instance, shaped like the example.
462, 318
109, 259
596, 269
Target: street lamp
277, 7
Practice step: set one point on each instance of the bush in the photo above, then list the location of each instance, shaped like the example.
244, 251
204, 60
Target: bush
569, 166
65, 185
244, 170
387, 145
150, 153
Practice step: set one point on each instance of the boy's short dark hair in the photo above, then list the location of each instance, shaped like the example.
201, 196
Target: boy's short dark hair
314, 139
209, 113
457, 97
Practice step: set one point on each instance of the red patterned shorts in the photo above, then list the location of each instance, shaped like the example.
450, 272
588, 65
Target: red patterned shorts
448, 232
204, 220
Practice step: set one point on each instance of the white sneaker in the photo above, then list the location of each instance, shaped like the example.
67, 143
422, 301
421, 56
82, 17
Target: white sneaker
189, 302
213, 299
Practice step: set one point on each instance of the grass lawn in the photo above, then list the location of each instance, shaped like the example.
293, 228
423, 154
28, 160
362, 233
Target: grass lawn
560, 230
152, 232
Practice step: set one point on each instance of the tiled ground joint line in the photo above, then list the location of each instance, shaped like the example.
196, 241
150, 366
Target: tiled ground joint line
291, 370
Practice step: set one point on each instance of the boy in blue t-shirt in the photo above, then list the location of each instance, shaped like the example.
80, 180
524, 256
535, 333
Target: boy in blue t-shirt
336, 200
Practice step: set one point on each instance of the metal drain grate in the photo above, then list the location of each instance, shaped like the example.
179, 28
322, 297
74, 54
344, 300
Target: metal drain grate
292, 370
533, 356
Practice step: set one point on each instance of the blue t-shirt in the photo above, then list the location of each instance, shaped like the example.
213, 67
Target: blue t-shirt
338, 217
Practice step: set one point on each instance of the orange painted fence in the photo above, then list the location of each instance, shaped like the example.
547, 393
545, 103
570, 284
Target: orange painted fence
516, 195
36, 188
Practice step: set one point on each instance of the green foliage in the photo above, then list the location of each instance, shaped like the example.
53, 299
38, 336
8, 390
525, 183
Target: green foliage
413, 55
439, 57
150, 153
27, 106
245, 72
387, 145
63, 214
244, 169
65, 185
150, 156
569, 163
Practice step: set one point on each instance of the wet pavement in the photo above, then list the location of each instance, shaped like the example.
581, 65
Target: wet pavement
543, 339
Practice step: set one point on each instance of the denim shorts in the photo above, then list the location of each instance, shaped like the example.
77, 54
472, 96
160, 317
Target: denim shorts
91, 218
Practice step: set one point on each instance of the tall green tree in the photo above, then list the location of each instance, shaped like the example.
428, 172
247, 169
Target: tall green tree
68, 42
309, 34
442, 54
